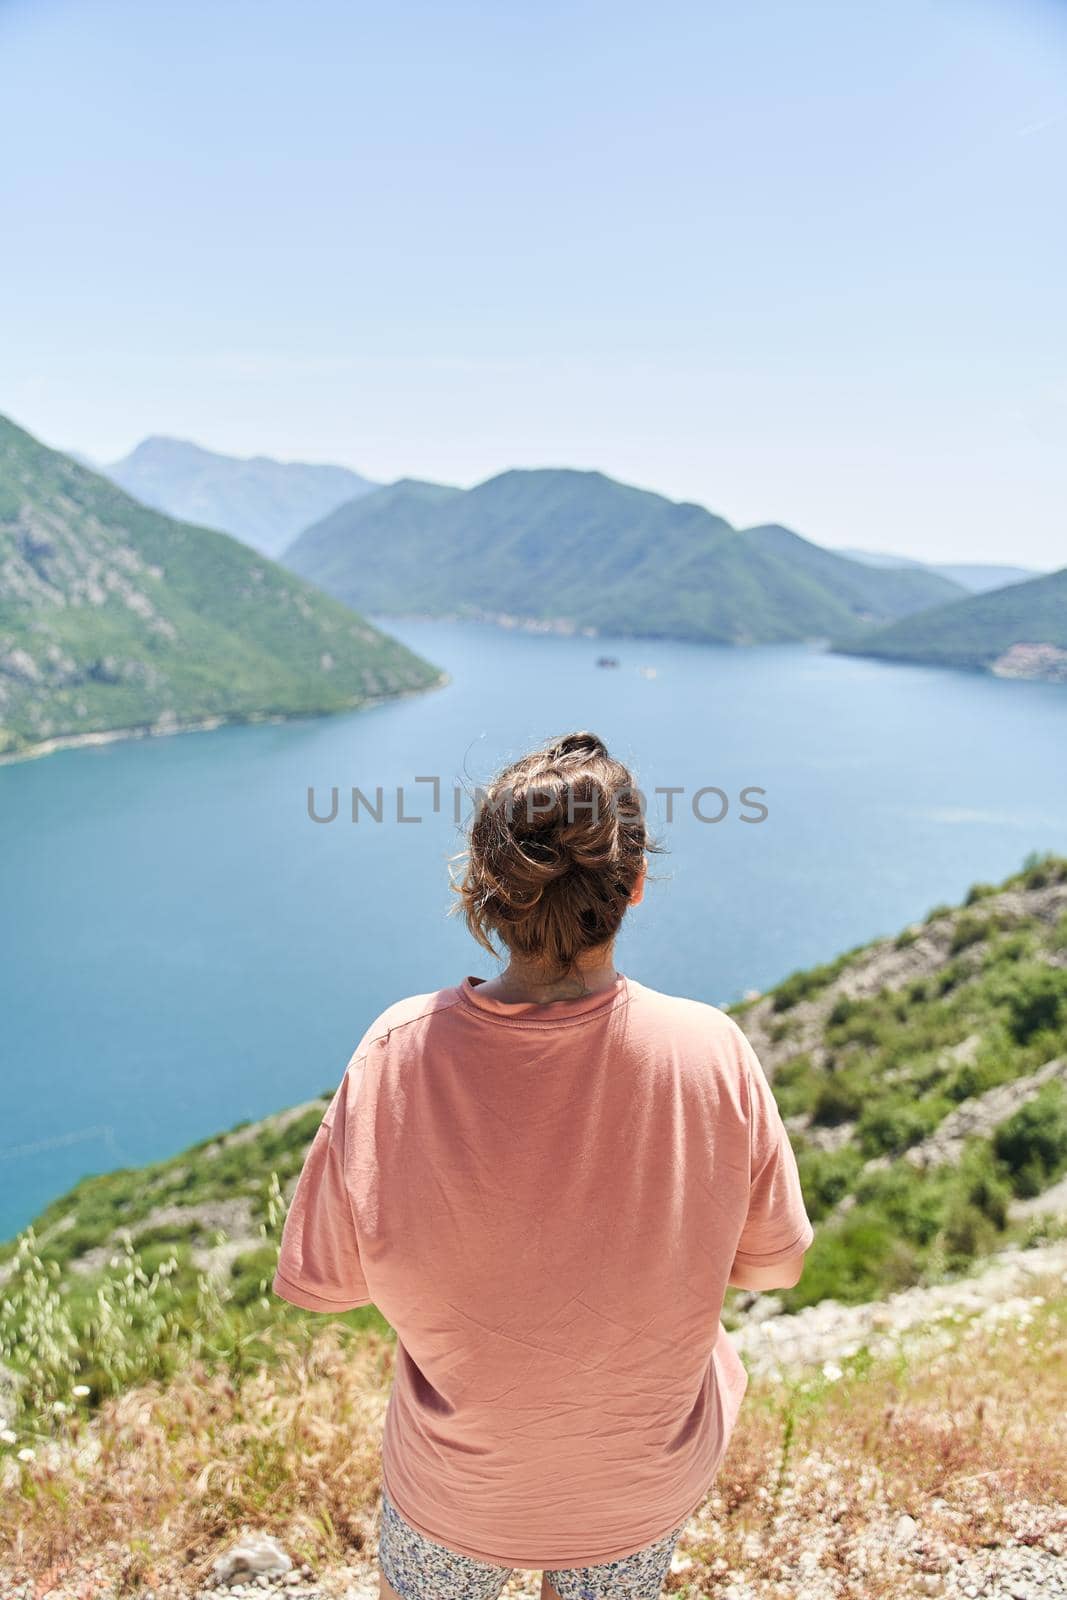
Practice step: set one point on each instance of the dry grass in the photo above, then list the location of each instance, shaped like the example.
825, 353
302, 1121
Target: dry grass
147, 1493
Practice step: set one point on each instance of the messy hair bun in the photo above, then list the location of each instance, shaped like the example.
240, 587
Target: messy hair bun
555, 850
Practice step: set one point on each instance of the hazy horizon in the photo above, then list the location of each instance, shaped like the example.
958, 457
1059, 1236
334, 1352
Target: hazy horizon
796, 265
1007, 560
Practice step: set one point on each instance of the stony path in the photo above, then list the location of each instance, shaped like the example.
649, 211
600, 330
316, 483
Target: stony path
830, 1331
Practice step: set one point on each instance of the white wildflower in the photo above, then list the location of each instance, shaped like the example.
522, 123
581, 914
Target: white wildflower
80, 1390
831, 1371
26, 1454
7, 1437
59, 1408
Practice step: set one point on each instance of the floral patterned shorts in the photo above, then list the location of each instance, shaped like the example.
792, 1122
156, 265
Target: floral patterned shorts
420, 1569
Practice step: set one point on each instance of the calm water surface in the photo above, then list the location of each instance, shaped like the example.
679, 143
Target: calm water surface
184, 948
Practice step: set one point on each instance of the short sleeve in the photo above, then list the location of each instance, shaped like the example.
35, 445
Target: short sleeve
319, 1265
777, 1225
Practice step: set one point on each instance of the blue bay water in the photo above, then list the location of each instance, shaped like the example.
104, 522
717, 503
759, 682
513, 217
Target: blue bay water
185, 948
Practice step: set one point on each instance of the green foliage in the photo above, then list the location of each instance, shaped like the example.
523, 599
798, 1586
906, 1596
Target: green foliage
1033, 1143
854, 1261
826, 1177
890, 1129
796, 1084
970, 930
905, 1226
837, 1101
1037, 1002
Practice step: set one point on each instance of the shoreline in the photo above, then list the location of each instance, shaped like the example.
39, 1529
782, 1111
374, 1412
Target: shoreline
154, 730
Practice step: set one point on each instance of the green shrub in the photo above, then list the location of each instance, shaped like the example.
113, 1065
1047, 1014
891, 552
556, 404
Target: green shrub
1037, 1002
1010, 947
970, 930
1033, 1143
1039, 870
841, 1011
862, 1258
795, 1085
967, 1233
951, 975
252, 1274
890, 1129
837, 1101
964, 1083
978, 891
826, 1176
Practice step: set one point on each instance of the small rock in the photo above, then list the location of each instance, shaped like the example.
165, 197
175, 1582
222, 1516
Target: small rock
253, 1556
906, 1528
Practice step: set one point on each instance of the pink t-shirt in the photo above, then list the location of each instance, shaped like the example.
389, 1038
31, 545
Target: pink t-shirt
545, 1202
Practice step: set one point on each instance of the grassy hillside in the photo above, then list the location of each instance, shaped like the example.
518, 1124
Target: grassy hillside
580, 547
113, 616
1018, 632
263, 502
922, 1078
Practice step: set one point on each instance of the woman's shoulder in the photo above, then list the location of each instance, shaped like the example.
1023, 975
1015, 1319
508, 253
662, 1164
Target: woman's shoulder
403, 1014
707, 1022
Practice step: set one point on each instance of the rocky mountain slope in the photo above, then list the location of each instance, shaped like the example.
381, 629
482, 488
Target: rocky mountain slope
114, 617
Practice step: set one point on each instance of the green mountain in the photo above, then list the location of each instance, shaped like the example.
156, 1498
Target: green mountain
1016, 632
895, 590
263, 502
923, 1079
113, 616
562, 545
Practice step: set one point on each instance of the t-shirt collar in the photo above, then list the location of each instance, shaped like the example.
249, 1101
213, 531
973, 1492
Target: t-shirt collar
540, 1011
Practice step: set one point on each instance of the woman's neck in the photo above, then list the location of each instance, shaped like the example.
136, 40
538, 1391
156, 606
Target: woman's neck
526, 981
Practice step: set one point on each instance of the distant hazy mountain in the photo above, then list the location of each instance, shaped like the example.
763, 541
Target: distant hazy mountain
980, 578
1016, 632
266, 503
113, 616
558, 544
975, 576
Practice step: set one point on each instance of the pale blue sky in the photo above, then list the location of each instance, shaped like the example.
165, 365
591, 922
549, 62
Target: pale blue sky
801, 262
